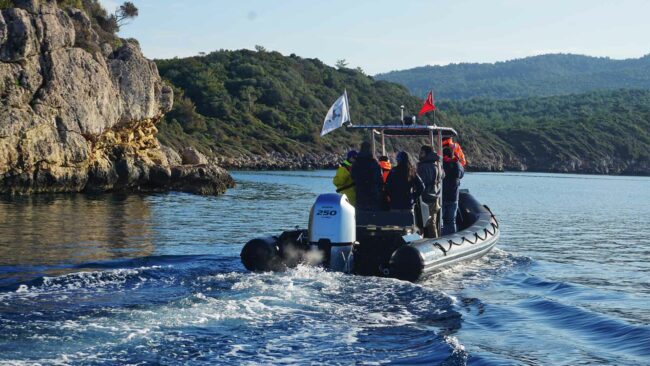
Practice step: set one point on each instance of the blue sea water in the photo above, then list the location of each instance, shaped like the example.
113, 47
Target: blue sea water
156, 279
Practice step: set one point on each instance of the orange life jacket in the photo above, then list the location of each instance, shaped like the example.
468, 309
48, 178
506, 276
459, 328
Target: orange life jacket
458, 151
385, 169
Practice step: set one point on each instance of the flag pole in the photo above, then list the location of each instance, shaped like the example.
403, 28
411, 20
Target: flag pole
434, 111
347, 104
440, 162
439, 167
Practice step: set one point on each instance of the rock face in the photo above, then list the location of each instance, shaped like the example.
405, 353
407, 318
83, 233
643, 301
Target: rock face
77, 115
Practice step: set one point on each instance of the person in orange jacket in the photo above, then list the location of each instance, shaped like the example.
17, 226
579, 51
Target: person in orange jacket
455, 147
385, 166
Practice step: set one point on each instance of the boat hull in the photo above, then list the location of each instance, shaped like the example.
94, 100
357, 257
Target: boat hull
388, 253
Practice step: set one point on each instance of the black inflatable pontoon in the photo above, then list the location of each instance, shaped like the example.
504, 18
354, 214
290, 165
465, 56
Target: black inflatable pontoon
478, 235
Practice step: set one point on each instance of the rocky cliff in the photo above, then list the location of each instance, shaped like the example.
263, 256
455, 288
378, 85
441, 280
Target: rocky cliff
80, 115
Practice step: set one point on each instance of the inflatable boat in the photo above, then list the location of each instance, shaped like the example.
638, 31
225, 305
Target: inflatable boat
378, 243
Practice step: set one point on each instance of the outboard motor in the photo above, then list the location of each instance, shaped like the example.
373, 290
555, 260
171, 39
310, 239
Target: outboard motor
332, 232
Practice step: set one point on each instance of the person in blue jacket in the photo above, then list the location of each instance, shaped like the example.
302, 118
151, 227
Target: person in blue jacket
454, 172
403, 185
430, 171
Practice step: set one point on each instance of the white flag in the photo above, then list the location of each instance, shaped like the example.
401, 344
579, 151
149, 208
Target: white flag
338, 114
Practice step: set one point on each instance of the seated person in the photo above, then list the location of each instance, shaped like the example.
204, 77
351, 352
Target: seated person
403, 185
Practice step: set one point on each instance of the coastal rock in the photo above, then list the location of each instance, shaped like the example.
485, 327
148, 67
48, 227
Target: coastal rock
173, 158
192, 156
77, 115
206, 179
18, 34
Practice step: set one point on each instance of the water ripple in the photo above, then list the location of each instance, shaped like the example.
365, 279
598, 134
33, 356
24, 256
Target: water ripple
132, 279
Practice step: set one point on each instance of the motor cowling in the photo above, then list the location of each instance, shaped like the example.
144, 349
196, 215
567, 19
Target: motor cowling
332, 231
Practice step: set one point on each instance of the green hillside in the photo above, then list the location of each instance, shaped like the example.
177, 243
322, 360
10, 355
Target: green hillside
545, 75
247, 103
597, 132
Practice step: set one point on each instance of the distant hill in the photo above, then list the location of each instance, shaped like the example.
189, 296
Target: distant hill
545, 75
245, 105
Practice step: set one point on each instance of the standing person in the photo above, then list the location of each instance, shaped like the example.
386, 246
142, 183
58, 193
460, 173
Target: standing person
366, 175
343, 179
456, 149
453, 174
403, 185
384, 164
431, 173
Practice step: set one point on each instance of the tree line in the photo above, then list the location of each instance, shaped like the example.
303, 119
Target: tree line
254, 102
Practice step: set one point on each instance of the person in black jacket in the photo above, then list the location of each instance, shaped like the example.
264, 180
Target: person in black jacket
403, 184
366, 175
453, 174
431, 173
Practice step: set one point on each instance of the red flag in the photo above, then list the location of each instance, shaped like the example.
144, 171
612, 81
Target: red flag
428, 105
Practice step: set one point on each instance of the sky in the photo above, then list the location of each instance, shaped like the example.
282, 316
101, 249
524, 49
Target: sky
380, 35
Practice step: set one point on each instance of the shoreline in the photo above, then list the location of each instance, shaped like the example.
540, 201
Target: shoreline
232, 185
506, 171
314, 161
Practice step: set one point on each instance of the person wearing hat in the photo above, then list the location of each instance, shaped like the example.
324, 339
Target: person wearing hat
403, 185
343, 179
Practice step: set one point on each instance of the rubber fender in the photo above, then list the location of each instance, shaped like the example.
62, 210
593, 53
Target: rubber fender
261, 254
406, 264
